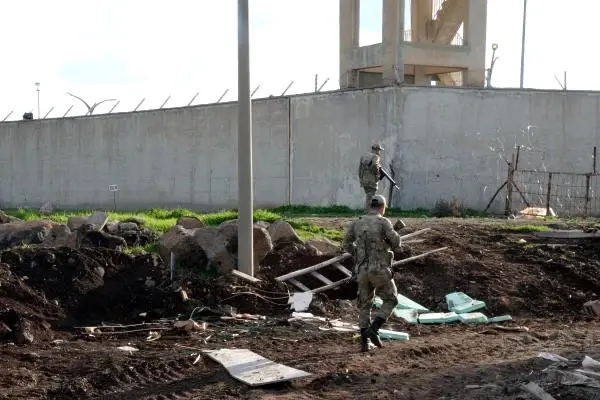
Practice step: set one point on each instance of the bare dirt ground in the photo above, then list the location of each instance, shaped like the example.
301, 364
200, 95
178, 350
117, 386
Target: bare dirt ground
543, 287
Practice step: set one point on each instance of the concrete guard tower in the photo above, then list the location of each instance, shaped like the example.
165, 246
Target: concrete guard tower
431, 51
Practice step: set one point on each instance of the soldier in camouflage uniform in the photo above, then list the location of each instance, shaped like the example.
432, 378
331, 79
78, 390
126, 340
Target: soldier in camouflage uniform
369, 172
371, 240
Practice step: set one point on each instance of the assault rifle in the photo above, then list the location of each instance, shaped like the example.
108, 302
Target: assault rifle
384, 174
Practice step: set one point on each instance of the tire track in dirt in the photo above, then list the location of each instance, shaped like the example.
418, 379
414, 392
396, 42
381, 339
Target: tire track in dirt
178, 378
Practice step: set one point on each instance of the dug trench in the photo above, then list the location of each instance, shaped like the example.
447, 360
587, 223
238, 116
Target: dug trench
46, 292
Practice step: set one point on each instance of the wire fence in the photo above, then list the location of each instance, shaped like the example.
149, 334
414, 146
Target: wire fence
567, 194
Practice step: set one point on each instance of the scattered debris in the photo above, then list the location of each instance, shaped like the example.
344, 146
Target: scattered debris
537, 391
592, 308
244, 276
499, 318
552, 357
438, 318
46, 289
473, 318
152, 336
189, 325
325, 324
536, 212
461, 303
300, 301
578, 379
590, 363
130, 349
253, 369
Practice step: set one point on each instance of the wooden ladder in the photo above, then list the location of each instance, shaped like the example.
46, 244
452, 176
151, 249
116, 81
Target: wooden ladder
336, 263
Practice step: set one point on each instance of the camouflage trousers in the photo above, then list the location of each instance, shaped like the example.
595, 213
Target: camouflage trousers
375, 280
369, 193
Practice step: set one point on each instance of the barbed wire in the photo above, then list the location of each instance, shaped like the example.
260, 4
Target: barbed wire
318, 87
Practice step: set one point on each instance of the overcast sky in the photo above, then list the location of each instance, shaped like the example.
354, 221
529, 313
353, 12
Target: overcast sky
134, 49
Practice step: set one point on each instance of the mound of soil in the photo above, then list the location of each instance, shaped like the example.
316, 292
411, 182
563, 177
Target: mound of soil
58, 286
527, 279
523, 279
53, 288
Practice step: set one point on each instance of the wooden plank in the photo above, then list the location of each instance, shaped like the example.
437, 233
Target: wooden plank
244, 276
321, 278
253, 369
331, 286
416, 233
413, 241
313, 268
572, 234
343, 269
299, 284
342, 258
409, 259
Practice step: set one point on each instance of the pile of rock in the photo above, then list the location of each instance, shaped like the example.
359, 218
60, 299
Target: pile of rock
214, 249
14, 232
130, 232
193, 244
93, 231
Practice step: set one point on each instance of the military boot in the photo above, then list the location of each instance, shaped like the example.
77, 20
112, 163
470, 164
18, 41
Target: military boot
364, 340
373, 331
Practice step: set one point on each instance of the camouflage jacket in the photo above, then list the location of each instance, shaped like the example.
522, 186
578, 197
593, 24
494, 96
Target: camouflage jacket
371, 240
368, 170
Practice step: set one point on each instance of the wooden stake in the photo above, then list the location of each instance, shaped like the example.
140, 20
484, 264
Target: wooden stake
413, 258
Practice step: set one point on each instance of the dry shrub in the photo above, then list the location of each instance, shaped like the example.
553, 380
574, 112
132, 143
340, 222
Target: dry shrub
445, 208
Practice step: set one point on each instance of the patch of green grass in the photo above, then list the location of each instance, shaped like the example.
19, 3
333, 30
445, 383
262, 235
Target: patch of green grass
149, 248
308, 231
525, 228
160, 220
344, 211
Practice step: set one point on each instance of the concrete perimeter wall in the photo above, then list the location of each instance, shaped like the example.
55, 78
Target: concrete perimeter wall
442, 142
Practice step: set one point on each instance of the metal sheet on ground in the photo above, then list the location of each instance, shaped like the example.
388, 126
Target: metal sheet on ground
99, 219
253, 369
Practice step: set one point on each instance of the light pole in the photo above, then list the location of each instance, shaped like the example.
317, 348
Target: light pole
523, 42
37, 86
491, 68
245, 197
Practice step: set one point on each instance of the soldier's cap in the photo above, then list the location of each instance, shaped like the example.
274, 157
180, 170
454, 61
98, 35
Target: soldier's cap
377, 146
378, 201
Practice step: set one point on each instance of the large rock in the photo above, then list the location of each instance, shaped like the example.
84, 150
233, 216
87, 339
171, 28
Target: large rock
128, 227
282, 234
7, 219
136, 220
112, 227
88, 236
209, 248
61, 236
197, 249
324, 245
181, 242
215, 247
23, 233
190, 222
262, 241
75, 222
